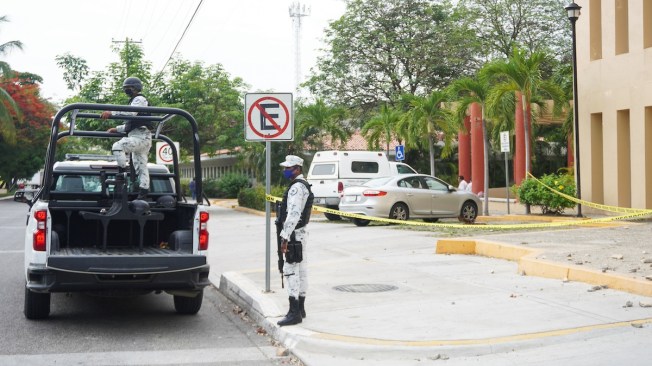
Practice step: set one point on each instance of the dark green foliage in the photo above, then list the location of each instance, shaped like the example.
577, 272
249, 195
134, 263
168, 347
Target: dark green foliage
533, 193
231, 184
255, 197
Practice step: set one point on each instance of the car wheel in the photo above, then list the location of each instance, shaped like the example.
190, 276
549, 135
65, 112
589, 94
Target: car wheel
188, 305
361, 222
332, 217
469, 212
399, 212
37, 305
432, 219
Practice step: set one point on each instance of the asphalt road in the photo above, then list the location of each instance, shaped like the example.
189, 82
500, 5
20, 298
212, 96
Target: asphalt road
142, 330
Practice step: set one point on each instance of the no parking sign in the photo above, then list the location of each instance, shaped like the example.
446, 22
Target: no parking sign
269, 117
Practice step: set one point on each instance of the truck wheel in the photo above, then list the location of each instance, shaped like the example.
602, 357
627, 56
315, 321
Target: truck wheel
188, 305
361, 222
332, 217
399, 212
37, 305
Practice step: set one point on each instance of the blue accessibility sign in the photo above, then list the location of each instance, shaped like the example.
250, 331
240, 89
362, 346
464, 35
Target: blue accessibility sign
400, 152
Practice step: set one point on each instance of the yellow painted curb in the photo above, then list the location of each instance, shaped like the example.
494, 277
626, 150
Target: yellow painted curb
529, 265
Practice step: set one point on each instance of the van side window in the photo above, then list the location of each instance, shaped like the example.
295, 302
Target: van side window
323, 169
364, 167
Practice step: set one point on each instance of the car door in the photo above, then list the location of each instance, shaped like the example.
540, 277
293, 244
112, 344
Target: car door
442, 201
418, 198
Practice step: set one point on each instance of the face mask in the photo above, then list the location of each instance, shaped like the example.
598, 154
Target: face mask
288, 173
129, 91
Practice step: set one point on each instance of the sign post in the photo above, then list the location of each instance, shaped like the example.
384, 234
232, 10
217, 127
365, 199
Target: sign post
268, 117
504, 147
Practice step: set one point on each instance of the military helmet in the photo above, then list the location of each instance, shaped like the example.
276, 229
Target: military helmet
166, 202
134, 83
139, 207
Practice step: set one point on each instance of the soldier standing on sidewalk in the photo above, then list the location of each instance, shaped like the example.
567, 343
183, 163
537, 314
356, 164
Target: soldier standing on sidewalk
294, 215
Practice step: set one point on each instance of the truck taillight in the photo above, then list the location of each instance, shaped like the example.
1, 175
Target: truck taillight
340, 187
203, 230
38, 242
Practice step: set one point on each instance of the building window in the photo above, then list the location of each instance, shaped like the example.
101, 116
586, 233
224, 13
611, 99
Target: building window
647, 24
595, 19
597, 159
623, 158
622, 26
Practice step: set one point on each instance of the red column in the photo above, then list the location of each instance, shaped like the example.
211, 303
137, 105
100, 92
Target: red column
464, 150
519, 149
477, 148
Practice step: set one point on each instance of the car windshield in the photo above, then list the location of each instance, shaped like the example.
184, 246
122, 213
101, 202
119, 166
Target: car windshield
377, 182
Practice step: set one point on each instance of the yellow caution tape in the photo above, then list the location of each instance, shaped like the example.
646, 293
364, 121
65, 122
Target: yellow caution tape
591, 204
630, 216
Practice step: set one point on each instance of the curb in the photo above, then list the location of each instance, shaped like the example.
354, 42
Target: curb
529, 265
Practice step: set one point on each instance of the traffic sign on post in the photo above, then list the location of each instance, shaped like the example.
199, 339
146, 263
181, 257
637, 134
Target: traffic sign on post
164, 153
504, 141
400, 152
269, 117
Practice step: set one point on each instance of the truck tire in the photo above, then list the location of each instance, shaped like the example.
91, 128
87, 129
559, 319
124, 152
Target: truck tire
188, 305
332, 217
37, 305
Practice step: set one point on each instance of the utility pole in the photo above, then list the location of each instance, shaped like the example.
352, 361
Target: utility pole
297, 11
127, 42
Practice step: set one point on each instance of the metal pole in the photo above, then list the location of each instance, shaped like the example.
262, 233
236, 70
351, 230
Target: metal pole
268, 215
577, 126
507, 182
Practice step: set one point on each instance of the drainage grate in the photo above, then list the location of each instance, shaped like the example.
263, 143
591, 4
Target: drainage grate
365, 287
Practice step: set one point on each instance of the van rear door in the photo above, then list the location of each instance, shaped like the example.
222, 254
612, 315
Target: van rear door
323, 178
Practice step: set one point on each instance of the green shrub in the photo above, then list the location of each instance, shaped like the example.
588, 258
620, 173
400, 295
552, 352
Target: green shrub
532, 192
230, 185
255, 197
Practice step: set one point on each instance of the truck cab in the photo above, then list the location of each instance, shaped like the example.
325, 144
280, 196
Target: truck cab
87, 232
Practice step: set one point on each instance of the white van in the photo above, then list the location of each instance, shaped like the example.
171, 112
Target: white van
332, 171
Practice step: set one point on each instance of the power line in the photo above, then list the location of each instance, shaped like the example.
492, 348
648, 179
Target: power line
179, 42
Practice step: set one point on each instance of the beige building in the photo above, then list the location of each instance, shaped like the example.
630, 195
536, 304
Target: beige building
614, 67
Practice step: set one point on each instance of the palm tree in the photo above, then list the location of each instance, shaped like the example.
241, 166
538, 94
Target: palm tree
382, 127
475, 90
317, 121
7, 103
425, 118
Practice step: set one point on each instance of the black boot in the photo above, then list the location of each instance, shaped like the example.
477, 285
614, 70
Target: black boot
294, 315
302, 309
142, 194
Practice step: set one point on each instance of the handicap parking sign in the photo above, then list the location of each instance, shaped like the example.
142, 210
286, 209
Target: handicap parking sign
400, 152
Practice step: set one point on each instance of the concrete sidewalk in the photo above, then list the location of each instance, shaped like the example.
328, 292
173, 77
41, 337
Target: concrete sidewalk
380, 295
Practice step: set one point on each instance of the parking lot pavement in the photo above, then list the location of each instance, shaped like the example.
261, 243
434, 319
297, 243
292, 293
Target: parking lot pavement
380, 295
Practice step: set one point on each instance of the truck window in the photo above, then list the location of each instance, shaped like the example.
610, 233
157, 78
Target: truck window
364, 167
323, 169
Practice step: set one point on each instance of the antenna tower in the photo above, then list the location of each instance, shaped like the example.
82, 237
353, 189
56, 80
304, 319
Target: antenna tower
297, 11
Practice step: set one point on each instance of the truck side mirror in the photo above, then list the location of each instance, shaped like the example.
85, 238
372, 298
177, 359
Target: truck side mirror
23, 196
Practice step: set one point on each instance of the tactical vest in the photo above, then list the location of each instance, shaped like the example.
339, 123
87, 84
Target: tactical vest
307, 210
132, 125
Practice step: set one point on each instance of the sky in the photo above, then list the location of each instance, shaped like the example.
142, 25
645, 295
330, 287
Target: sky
252, 39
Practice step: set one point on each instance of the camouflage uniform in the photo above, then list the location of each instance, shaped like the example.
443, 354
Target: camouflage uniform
296, 273
137, 143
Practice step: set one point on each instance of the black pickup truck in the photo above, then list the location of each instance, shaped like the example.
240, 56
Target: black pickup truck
87, 232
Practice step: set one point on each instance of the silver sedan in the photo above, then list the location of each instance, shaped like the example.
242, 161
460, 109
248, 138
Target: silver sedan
409, 196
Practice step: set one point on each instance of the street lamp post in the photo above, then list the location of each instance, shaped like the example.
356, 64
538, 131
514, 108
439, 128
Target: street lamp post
573, 14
